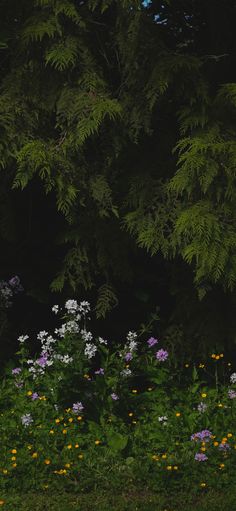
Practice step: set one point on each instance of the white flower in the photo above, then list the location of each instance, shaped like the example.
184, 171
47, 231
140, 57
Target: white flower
163, 419
55, 309
233, 378
26, 419
70, 327
131, 336
30, 361
23, 338
101, 340
132, 346
84, 307
126, 372
90, 350
86, 336
71, 306
41, 335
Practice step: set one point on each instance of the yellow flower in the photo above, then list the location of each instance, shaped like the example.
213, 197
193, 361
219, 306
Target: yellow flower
13, 458
134, 391
222, 465
5, 471
80, 456
51, 432
29, 393
68, 410
2, 502
155, 457
97, 442
204, 394
213, 355
201, 366
217, 357
76, 446
216, 444
149, 389
47, 462
229, 364
203, 449
134, 422
64, 431
67, 465
186, 365
221, 355
34, 455
177, 414
220, 405
71, 419
169, 467
14, 465
229, 435
203, 485
131, 414
69, 446
164, 456
57, 421
175, 467
224, 439
13, 451
79, 418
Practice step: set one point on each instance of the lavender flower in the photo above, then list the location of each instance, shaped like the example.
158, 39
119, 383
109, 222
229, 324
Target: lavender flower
100, 371
77, 407
42, 361
128, 357
232, 394
161, 355
34, 396
26, 419
114, 396
19, 384
205, 434
200, 457
152, 341
224, 447
17, 370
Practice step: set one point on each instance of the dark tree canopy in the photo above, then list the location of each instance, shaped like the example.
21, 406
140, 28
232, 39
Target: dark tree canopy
118, 155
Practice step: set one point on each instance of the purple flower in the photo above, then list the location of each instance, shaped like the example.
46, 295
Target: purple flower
152, 341
161, 355
200, 457
99, 371
19, 384
77, 407
224, 447
17, 370
205, 434
34, 396
26, 419
114, 396
128, 357
42, 361
232, 394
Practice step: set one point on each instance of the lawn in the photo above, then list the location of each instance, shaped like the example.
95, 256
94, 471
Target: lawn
207, 501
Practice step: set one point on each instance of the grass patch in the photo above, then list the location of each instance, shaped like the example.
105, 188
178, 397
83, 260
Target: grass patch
207, 501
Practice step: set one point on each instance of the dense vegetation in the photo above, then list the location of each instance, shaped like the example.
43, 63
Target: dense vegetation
117, 150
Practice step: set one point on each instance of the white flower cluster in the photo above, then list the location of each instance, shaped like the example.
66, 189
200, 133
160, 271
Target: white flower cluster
70, 327
163, 419
102, 341
126, 372
23, 338
86, 336
233, 378
132, 343
66, 359
90, 350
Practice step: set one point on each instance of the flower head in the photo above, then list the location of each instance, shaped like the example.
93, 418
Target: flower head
232, 394
162, 355
26, 419
100, 371
114, 396
17, 370
200, 457
152, 341
77, 407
